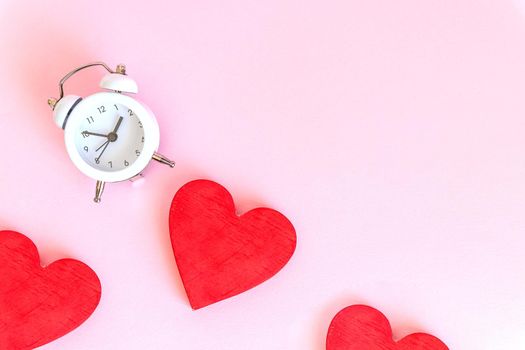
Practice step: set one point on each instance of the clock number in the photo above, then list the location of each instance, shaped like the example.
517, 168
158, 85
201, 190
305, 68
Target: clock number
130, 112
137, 152
142, 139
97, 160
140, 125
90, 120
110, 164
126, 163
116, 107
101, 109
84, 134
86, 148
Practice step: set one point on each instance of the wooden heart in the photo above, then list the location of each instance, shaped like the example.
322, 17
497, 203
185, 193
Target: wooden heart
39, 305
220, 254
361, 327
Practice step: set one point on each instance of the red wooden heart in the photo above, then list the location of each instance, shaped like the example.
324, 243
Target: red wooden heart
220, 254
361, 327
39, 305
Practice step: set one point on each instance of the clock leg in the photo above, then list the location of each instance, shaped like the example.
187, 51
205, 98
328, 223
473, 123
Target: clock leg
98, 191
161, 159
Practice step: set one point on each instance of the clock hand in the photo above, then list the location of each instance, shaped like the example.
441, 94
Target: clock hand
102, 145
112, 137
85, 132
101, 153
118, 125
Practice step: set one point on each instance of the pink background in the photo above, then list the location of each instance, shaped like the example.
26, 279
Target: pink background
391, 133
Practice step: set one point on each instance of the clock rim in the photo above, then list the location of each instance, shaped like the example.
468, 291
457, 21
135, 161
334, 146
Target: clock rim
143, 113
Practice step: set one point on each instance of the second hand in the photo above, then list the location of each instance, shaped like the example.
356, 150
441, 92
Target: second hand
105, 145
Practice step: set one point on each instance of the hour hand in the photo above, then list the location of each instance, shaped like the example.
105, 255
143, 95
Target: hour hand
85, 132
118, 125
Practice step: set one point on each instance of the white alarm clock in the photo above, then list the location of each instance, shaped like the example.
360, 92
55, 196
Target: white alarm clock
109, 136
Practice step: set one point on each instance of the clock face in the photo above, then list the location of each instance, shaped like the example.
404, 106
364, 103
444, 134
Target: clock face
110, 137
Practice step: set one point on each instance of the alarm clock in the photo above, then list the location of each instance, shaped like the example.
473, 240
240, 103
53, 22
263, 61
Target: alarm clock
110, 136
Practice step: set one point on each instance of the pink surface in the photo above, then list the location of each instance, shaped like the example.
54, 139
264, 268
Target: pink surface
390, 133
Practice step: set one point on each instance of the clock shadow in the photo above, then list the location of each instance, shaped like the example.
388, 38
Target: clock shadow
41, 53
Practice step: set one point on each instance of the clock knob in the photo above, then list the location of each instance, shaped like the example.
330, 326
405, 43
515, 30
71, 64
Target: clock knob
119, 82
63, 108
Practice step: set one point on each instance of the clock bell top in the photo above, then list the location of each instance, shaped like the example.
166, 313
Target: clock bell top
116, 81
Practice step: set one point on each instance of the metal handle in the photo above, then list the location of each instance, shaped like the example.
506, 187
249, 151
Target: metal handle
76, 70
121, 69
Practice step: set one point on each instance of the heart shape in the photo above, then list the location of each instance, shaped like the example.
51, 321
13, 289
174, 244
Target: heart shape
39, 305
220, 254
360, 327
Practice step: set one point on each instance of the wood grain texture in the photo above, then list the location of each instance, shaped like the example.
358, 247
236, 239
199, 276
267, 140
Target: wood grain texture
361, 327
39, 305
220, 254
